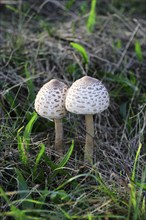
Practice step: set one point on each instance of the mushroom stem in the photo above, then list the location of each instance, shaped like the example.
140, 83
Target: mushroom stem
88, 156
58, 136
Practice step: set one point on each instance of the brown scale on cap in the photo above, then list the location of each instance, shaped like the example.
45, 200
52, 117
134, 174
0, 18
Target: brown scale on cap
50, 100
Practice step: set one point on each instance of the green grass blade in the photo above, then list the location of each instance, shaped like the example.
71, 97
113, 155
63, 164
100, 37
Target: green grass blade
24, 141
66, 215
89, 216
59, 196
81, 50
41, 199
28, 128
67, 156
133, 203
122, 80
15, 212
39, 156
74, 178
10, 7
92, 16
21, 149
139, 209
135, 162
2, 194
22, 186
143, 208
48, 161
138, 51
58, 168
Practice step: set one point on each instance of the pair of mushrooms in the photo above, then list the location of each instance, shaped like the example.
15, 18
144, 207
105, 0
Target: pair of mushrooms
86, 96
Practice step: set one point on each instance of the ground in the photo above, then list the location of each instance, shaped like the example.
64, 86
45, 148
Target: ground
36, 45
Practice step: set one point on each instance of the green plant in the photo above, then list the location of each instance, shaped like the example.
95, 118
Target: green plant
24, 140
138, 51
14, 211
82, 51
92, 16
38, 159
136, 194
25, 197
69, 4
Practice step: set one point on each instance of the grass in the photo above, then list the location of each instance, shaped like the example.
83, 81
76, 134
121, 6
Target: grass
92, 16
52, 41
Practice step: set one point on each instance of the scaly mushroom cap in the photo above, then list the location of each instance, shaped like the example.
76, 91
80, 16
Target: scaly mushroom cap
87, 96
50, 100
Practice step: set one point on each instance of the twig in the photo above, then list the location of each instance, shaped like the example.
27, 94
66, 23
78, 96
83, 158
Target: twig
127, 46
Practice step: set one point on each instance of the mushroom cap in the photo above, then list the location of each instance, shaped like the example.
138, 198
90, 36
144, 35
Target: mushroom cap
50, 100
87, 95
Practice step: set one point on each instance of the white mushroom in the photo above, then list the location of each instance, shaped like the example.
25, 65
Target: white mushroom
50, 104
87, 96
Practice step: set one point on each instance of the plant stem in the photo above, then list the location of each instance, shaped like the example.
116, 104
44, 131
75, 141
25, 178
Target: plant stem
58, 136
88, 156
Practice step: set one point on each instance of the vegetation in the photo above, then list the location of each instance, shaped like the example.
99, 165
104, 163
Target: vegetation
41, 40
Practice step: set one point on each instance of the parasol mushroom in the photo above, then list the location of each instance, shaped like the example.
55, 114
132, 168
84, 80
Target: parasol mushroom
87, 96
50, 104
